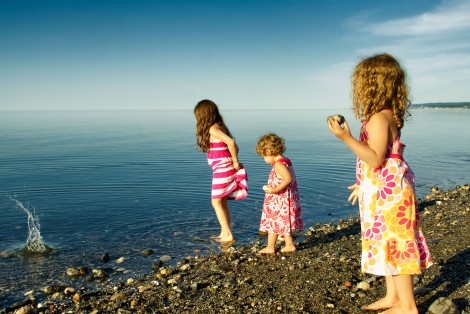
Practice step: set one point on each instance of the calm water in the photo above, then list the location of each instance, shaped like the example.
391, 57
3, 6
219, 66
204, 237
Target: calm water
125, 181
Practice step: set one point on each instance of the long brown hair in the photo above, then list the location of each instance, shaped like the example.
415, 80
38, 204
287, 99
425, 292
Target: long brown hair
379, 82
207, 114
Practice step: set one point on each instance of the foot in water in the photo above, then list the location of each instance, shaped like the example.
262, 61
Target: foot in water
228, 239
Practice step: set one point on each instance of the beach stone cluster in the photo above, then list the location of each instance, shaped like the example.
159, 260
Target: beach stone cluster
323, 276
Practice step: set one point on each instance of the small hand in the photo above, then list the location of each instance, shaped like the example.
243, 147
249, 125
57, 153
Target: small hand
353, 195
268, 189
236, 165
337, 130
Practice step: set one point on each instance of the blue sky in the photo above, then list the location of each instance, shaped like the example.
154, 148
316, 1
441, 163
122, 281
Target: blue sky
116, 54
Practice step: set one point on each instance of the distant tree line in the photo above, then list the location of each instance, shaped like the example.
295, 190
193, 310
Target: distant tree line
443, 105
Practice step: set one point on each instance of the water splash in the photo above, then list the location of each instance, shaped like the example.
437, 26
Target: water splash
34, 244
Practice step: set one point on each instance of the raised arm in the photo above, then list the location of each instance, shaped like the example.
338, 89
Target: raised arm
378, 129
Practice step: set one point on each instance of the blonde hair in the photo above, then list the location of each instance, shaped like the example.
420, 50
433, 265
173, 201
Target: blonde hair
270, 145
207, 114
378, 82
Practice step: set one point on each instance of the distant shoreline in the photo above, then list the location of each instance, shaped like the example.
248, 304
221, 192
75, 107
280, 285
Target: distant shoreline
443, 105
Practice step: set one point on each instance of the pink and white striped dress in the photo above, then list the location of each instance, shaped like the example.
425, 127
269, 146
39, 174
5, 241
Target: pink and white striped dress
225, 179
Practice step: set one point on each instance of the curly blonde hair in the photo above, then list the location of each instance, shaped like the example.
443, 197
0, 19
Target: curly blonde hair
207, 114
379, 82
270, 145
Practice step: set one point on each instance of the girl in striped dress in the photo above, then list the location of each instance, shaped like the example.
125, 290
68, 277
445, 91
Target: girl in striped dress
393, 244
229, 180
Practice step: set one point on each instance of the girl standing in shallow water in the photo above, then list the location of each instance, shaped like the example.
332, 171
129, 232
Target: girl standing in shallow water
229, 180
282, 213
393, 244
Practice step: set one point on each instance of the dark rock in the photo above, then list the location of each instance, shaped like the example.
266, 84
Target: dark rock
105, 257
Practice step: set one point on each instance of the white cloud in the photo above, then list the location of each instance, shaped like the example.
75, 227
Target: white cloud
433, 47
449, 18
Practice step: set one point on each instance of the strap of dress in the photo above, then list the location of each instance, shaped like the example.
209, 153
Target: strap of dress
284, 160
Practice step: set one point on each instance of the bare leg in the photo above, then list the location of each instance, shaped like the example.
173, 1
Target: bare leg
271, 248
223, 215
406, 300
390, 299
289, 247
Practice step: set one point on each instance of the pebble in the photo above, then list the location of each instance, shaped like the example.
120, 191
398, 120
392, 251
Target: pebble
118, 296
363, 285
145, 288
172, 282
165, 258
99, 273
76, 271
443, 306
147, 252
24, 310
76, 298
120, 260
105, 257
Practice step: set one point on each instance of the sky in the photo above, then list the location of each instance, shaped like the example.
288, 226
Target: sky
256, 54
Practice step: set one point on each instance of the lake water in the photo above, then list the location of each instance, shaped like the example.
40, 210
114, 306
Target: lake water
125, 181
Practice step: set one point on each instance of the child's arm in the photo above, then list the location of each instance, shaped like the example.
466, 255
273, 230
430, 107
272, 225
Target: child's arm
283, 173
378, 129
218, 134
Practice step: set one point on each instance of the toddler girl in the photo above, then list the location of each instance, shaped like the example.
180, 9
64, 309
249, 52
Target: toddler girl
282, 213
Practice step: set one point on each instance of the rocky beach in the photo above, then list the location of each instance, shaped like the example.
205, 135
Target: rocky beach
322, 276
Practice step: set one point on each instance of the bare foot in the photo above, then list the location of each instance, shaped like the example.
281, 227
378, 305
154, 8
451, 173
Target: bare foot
381, 304
227, 239
397, 309
267, 250
287, 249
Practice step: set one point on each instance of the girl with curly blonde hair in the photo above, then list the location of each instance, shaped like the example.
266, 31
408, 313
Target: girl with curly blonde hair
282, 213
393, 244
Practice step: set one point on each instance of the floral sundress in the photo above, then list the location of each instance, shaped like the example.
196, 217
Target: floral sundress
282, 213
392, 240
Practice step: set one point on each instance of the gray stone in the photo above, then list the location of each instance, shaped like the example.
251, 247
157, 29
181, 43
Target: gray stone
443, 306
76, 271
118, 296
99, 273
165, 258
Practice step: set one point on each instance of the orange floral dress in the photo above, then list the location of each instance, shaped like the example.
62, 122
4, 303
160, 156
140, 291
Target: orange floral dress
392, 240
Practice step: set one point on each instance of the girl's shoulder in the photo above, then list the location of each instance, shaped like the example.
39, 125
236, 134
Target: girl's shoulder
382, 119
284, 160
218, 128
